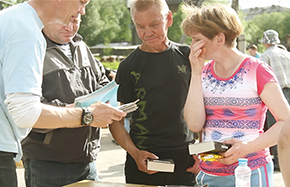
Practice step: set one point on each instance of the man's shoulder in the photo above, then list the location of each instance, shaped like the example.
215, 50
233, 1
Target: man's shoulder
14, 8
264, 56
136, 53
285, 53
180, 46
183, 48
21, 13
23, 22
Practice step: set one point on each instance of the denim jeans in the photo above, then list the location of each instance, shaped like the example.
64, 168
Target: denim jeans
8, 176
261, 177
55, 174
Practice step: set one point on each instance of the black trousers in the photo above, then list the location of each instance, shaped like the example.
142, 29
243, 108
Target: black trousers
8, 176
182, 161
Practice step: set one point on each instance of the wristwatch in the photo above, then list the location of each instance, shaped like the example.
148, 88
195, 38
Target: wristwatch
87, 117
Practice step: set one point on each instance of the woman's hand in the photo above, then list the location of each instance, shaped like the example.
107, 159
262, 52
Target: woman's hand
238, 150
197, 56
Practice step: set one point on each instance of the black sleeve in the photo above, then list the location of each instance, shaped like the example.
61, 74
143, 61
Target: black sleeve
126, 83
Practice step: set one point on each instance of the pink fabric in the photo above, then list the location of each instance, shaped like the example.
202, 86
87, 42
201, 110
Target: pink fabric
264, 75
235, 110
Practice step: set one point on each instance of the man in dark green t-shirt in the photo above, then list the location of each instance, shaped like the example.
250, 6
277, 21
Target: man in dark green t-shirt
157, 73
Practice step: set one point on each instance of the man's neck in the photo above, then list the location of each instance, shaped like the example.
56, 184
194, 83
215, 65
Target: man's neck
269, 45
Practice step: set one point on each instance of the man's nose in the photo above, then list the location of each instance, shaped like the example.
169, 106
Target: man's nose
148, 31
82, 10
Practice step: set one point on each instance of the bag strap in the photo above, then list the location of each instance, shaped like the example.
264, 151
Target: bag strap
48, 134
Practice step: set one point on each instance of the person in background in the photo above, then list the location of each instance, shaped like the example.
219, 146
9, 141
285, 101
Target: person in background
279, 60
22, 50
111, 74
157, 73
253, 50
228, 97
63, 156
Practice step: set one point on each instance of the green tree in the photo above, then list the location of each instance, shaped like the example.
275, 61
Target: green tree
91, 24
278, 21
106, 21
175, 31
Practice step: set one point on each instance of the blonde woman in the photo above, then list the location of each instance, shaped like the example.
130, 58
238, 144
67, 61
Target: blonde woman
229, 96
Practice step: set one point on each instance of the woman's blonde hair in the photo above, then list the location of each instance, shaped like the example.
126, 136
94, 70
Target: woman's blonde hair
211, 20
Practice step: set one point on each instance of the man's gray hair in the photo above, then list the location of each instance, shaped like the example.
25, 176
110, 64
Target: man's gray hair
143, 5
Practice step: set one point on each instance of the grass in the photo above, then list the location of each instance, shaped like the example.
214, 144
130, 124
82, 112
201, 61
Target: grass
111, 65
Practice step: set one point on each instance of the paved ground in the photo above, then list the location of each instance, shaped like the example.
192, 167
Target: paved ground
110, 163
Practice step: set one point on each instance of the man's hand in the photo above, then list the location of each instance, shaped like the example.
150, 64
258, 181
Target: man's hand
141, 160
105, 114
195, 168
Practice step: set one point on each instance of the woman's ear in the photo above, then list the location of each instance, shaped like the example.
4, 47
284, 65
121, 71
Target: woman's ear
220, 38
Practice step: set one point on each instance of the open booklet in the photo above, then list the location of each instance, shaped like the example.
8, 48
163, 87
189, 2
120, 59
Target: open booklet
108, 93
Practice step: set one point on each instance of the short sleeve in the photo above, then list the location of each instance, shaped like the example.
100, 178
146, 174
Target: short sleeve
123, 78
264, 75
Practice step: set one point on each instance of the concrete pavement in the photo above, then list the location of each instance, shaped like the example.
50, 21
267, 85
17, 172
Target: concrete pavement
110, 163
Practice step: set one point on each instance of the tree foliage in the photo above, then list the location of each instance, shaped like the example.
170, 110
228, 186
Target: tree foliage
175, 31
106, 21
279, 21
109, 21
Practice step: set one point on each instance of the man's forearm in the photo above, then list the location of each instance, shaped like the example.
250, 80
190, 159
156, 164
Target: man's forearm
121, 135
58, 117
27, 111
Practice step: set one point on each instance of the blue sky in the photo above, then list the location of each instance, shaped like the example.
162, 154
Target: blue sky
244, 4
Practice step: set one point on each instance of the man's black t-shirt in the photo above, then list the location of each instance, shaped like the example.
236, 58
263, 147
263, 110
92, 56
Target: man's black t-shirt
160, 81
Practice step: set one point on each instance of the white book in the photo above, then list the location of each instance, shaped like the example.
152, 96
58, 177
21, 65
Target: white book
163, 165
208, 147
129, 107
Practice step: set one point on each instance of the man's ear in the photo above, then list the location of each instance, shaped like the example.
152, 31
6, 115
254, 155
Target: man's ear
220, 38
169, 18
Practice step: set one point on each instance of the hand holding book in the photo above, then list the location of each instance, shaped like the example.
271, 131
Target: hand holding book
162, 165
208, 147
129, 107
209, 151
